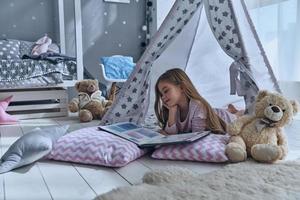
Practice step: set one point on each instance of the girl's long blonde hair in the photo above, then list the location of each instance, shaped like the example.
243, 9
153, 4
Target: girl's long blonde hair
178, 77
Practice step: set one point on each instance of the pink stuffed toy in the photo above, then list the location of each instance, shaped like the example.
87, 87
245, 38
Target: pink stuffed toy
41, 46
6, 118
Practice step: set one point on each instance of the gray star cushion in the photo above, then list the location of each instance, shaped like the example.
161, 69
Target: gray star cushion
9, 49
31, 147
25, 47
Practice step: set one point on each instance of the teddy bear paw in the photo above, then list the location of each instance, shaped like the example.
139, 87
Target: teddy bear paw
232, 129
235, 152
85, 116
265, 152
73, 107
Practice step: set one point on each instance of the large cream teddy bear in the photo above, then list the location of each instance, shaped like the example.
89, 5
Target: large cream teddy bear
90, 103
261, 135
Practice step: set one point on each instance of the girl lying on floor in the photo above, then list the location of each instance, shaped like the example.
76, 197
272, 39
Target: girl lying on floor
179, 107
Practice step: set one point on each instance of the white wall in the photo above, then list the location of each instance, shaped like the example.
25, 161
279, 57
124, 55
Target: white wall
290, 89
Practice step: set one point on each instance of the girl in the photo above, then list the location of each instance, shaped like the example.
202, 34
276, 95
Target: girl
180, 108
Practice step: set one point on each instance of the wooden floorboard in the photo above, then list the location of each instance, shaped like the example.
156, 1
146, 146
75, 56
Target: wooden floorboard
2, 184
64, 182
101, 179
25, 182
133, 172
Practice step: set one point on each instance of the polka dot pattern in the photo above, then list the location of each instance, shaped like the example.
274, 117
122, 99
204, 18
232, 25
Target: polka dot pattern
9, 49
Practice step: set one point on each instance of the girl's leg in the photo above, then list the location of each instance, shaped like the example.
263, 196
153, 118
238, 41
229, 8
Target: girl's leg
224, 114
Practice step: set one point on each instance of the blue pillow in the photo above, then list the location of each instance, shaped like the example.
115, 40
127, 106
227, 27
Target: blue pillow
118, 67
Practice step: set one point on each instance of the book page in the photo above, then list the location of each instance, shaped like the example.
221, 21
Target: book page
177, 138
132, 132
146, 137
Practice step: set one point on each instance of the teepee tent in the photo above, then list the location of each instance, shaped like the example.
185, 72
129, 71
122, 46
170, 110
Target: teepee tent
215, 42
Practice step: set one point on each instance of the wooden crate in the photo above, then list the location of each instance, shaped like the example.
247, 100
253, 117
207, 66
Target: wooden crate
37, 103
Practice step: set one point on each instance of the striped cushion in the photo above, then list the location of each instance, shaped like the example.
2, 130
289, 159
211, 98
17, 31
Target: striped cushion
91, 146
209, 149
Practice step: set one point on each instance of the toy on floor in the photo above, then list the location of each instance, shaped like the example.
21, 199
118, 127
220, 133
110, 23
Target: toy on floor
6, 118
261, 135
90, 104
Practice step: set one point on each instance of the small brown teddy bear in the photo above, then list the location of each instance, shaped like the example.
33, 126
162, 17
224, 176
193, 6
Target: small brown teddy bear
90, 104
261, 135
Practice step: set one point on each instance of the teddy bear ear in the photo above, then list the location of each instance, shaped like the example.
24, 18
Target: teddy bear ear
77, 85
261, 95
295, 105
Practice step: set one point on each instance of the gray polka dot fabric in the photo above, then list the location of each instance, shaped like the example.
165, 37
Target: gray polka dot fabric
9, 49
16, 70
25, 47
220, 17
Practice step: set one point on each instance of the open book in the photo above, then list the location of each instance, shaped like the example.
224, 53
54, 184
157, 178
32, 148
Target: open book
144, 137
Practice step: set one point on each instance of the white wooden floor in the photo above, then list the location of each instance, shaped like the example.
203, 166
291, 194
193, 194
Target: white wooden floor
62, 180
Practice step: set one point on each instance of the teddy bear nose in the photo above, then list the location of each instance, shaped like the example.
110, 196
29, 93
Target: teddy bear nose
91, 88
275, 109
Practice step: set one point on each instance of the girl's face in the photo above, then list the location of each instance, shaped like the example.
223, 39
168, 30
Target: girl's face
170, 94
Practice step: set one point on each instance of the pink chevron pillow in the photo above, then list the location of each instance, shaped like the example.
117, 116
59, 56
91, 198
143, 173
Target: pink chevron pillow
91, 146
209, 149
6, 118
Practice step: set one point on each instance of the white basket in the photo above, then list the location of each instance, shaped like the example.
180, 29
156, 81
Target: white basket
37, 103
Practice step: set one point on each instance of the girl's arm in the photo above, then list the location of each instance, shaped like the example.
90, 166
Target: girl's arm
171, 130
198, 121
172, 115
198, 124
171, 127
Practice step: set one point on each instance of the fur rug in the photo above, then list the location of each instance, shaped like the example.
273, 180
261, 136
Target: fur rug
247, 181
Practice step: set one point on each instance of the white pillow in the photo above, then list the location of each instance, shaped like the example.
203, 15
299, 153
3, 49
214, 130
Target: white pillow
31, 147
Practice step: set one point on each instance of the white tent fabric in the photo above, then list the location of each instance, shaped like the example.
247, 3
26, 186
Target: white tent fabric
219, 59
210, 76
260, 66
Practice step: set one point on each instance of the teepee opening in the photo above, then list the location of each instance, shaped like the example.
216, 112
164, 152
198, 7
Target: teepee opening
215, 42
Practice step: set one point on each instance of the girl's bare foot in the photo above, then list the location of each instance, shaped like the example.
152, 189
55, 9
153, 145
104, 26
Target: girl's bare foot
231, 108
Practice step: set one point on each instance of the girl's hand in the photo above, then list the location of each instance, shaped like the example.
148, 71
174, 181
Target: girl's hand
173, 109
161, 131
172, 115
170, 107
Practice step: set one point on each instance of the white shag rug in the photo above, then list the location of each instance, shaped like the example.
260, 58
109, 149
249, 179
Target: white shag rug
244, 181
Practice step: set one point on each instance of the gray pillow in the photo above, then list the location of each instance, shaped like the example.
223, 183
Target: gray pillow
25, 47
31, 147
9, 49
